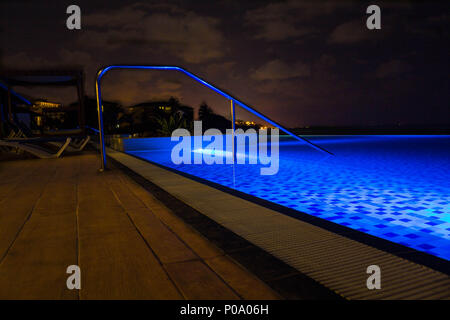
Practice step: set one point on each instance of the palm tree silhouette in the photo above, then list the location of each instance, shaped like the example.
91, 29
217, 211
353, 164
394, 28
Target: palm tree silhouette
168, 125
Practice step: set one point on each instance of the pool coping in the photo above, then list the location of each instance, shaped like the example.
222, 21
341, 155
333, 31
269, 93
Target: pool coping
406, 253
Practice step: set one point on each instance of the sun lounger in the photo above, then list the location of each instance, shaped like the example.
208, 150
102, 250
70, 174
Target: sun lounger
26, 145
75, 146
13, 134
79, 145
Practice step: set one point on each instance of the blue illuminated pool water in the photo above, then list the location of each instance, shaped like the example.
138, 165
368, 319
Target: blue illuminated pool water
393, 187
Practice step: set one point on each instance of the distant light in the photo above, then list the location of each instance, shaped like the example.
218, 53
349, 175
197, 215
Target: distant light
38, 121
46, 104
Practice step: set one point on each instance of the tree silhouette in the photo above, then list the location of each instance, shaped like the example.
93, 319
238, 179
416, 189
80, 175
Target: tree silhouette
204, 112
168, 125
212, 120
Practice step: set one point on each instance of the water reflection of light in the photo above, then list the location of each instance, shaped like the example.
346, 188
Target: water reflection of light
222, 153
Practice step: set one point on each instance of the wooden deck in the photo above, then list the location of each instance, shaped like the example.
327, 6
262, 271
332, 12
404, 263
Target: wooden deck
60, 212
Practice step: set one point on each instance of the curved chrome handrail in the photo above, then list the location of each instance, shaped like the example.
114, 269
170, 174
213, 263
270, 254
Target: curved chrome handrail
102, 72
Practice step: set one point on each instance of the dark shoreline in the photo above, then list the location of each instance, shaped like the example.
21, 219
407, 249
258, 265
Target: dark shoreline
438, 130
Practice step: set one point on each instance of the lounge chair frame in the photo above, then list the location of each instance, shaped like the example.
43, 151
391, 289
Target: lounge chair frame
33, 149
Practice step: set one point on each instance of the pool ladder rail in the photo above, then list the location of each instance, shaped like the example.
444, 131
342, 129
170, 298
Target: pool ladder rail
233, 101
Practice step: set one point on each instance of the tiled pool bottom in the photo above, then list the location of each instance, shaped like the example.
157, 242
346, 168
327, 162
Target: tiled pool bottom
392, 187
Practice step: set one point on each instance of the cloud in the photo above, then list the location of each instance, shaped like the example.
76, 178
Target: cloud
283, 20
392, 68
23, 60
280, 30
133, 86
169, 85
326, 61
169, 30
221, 68
63, 59
279, 70
394, 19
350, 32
167, 88
128, 86
115, 19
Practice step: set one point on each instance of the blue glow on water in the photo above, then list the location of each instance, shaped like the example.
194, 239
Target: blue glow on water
393, 187
214, 152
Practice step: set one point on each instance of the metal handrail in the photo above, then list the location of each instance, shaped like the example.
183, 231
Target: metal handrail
234, 101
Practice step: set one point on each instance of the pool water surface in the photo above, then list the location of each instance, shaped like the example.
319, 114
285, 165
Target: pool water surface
393, 187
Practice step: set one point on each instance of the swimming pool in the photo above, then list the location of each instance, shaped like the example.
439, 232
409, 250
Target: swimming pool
392, 187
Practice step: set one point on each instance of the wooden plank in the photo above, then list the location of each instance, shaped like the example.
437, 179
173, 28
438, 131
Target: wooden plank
166, 244
241, 280
197, 281
14, 172
115, 261
127, 243
35, 267
15, 210
199, 244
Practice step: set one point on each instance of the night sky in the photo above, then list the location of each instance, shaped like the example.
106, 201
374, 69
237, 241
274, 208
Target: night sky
303, 63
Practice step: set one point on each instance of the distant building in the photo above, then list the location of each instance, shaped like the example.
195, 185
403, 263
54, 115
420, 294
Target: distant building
162, 108
45, 117
48, 114
143, 118
245, 124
